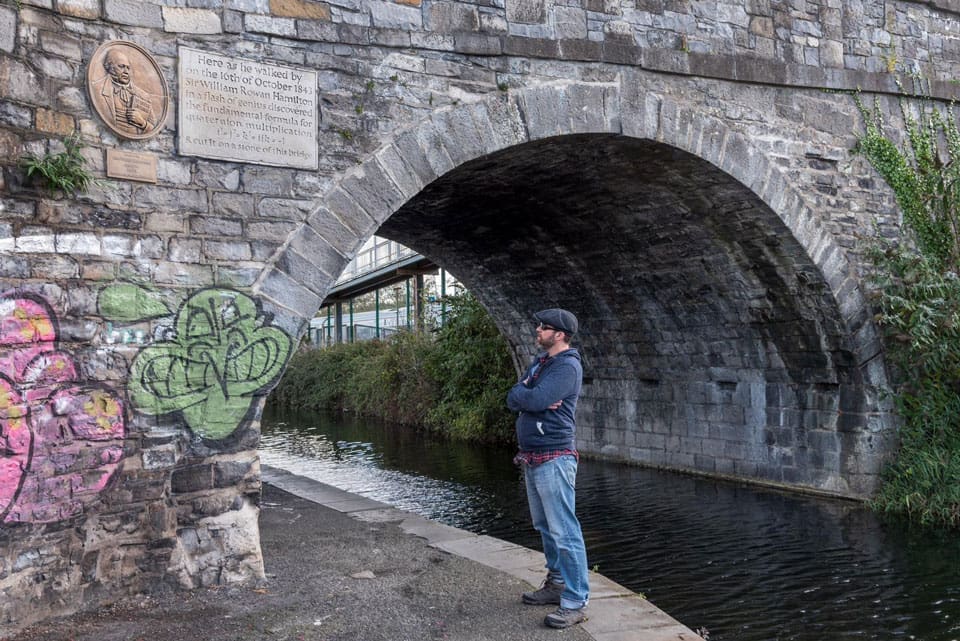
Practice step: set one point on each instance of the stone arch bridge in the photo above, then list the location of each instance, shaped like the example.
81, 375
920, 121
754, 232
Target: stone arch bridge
676, 172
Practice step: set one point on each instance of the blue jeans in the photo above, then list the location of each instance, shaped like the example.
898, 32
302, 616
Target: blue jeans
552, 497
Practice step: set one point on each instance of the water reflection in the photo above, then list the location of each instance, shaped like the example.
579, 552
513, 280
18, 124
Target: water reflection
747, 564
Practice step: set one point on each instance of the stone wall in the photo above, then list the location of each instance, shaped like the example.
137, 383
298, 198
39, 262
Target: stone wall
673, 171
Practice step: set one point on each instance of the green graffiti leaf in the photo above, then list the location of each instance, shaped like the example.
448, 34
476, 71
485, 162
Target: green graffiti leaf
221, 358
218, 416
128, 303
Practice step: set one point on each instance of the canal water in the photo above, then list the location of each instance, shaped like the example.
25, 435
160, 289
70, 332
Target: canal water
746, 564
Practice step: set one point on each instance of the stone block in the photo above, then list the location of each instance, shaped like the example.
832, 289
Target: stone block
233, 276
267, 180
303, 9
393, 38
134, 13
431, 138
16, 116
430, 40
72, 99
229, 473
571, 23
415, 158
35, 241
54, 268
392, 15
268, 230
217, 175
285, 208
215, 226
183, 274
232, 21
325, 232
526, 11
165, 221
288, 293
477, 44
373, 190
171, 199
192, 478
264, 250
85, 9
84, 243
399, 172
19, 82
452, 17
266, 24
93, 270
233, 205
532, 47
8, 29
120, 245
63, 45
226, 251
151, 247
306, 271
184, 20
346, 209
582, 49
173, 171
315, 30
184, 250
545, 111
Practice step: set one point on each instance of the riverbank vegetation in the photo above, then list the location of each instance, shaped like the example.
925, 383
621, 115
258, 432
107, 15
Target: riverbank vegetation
917, 284
452, 381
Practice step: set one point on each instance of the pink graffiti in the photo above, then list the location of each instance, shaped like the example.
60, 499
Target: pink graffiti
60, 442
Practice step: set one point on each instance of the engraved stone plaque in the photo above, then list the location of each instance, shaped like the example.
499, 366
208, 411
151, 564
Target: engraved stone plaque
129, 165
127, 89
238, 109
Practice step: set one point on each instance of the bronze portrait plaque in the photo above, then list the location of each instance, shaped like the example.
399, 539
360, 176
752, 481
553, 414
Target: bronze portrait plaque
127, 89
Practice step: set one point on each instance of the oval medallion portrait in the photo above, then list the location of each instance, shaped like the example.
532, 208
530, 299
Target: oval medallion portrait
127, 89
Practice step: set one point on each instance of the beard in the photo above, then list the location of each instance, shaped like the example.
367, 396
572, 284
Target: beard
544, 342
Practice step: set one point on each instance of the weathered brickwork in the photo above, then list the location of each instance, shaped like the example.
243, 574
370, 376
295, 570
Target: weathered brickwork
678, 173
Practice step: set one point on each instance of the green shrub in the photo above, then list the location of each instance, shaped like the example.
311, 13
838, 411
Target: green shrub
454, 383
917, 293
473, 371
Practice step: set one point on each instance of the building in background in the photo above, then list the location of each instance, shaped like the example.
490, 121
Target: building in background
386, 288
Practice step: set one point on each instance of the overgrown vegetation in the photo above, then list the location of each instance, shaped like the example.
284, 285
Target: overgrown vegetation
453, 383
64, 172
918, 298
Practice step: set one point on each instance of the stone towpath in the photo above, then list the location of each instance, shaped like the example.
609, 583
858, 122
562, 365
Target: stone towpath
616, 613
342, 567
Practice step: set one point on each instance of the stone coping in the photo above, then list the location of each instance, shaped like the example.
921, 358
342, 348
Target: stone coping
616, 613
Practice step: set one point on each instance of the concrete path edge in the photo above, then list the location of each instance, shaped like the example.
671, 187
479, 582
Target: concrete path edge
615, 613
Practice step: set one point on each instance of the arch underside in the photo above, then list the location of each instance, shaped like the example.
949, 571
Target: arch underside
712, 342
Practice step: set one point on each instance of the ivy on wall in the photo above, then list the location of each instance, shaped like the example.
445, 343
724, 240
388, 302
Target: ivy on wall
917, 285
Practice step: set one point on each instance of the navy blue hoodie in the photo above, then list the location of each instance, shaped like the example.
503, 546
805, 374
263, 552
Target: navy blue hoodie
549, 380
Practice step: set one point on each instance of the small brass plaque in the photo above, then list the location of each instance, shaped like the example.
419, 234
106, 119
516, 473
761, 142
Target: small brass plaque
129, 165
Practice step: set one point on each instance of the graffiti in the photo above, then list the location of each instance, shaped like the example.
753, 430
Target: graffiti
220, 356
60, 442
128, 302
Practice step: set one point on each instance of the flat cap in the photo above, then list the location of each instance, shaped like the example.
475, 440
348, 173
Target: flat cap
559, 318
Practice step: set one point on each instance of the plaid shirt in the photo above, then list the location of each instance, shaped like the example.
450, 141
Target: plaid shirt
534, 459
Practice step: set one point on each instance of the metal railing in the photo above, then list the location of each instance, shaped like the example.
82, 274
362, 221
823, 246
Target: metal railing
377, 252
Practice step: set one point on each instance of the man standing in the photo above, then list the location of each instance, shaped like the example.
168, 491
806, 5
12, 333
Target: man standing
546, 398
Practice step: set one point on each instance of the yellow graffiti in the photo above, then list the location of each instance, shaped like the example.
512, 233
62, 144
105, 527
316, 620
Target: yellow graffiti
103, 409
35, 327
12, 410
